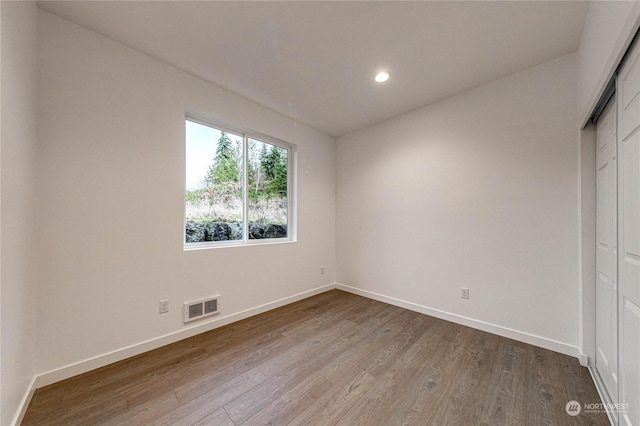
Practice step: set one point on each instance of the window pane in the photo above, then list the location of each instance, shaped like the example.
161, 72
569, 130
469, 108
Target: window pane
268, 203
214, 177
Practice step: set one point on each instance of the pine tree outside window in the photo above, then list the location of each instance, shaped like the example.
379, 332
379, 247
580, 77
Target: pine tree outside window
238, 187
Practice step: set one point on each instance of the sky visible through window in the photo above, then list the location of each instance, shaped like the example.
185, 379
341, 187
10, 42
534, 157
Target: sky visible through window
201, 148
200, 152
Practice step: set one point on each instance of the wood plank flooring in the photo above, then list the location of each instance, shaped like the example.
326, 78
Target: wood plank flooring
335, 358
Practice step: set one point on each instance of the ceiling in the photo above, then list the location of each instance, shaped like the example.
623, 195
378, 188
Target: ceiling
315, 61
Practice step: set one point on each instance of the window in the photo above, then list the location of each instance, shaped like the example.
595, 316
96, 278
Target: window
238, 186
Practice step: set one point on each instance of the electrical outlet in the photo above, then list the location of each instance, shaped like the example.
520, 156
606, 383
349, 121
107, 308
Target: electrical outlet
164, 306
464, 292
322, 270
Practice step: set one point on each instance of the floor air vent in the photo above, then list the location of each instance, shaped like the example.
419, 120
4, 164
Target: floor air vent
201, 308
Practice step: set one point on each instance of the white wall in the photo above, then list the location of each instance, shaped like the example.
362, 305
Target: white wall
111, 203
18, 160
608, 31
478, 191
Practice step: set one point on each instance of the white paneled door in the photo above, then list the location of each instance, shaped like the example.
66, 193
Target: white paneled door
606, 252
629, 237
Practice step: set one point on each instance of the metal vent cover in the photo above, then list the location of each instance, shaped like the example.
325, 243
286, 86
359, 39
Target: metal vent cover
202, 308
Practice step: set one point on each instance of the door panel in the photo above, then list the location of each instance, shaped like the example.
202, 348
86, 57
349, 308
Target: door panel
630, 345
629, 101
606, 257
629, 238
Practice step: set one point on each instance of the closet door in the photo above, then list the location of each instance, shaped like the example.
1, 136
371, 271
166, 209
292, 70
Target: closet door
606, 252
629, 236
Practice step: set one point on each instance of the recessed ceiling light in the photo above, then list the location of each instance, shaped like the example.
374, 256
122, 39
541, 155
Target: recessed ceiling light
381, 77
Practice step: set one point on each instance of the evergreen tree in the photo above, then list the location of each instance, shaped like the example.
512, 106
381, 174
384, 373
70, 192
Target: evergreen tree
265, 165
225, 167
275, 167
255, 169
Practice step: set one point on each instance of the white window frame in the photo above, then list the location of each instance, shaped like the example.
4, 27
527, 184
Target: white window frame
247, 134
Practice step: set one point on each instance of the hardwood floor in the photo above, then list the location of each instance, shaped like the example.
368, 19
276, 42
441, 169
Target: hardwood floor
335, 358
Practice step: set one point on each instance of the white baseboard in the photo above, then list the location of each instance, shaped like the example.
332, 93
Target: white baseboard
26, 400
584, 359
84, 366
521, 336
80, 367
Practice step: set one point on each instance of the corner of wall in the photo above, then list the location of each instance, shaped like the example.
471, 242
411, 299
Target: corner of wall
25, 401
18, 74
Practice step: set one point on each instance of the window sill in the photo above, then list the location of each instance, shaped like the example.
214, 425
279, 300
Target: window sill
238, 243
